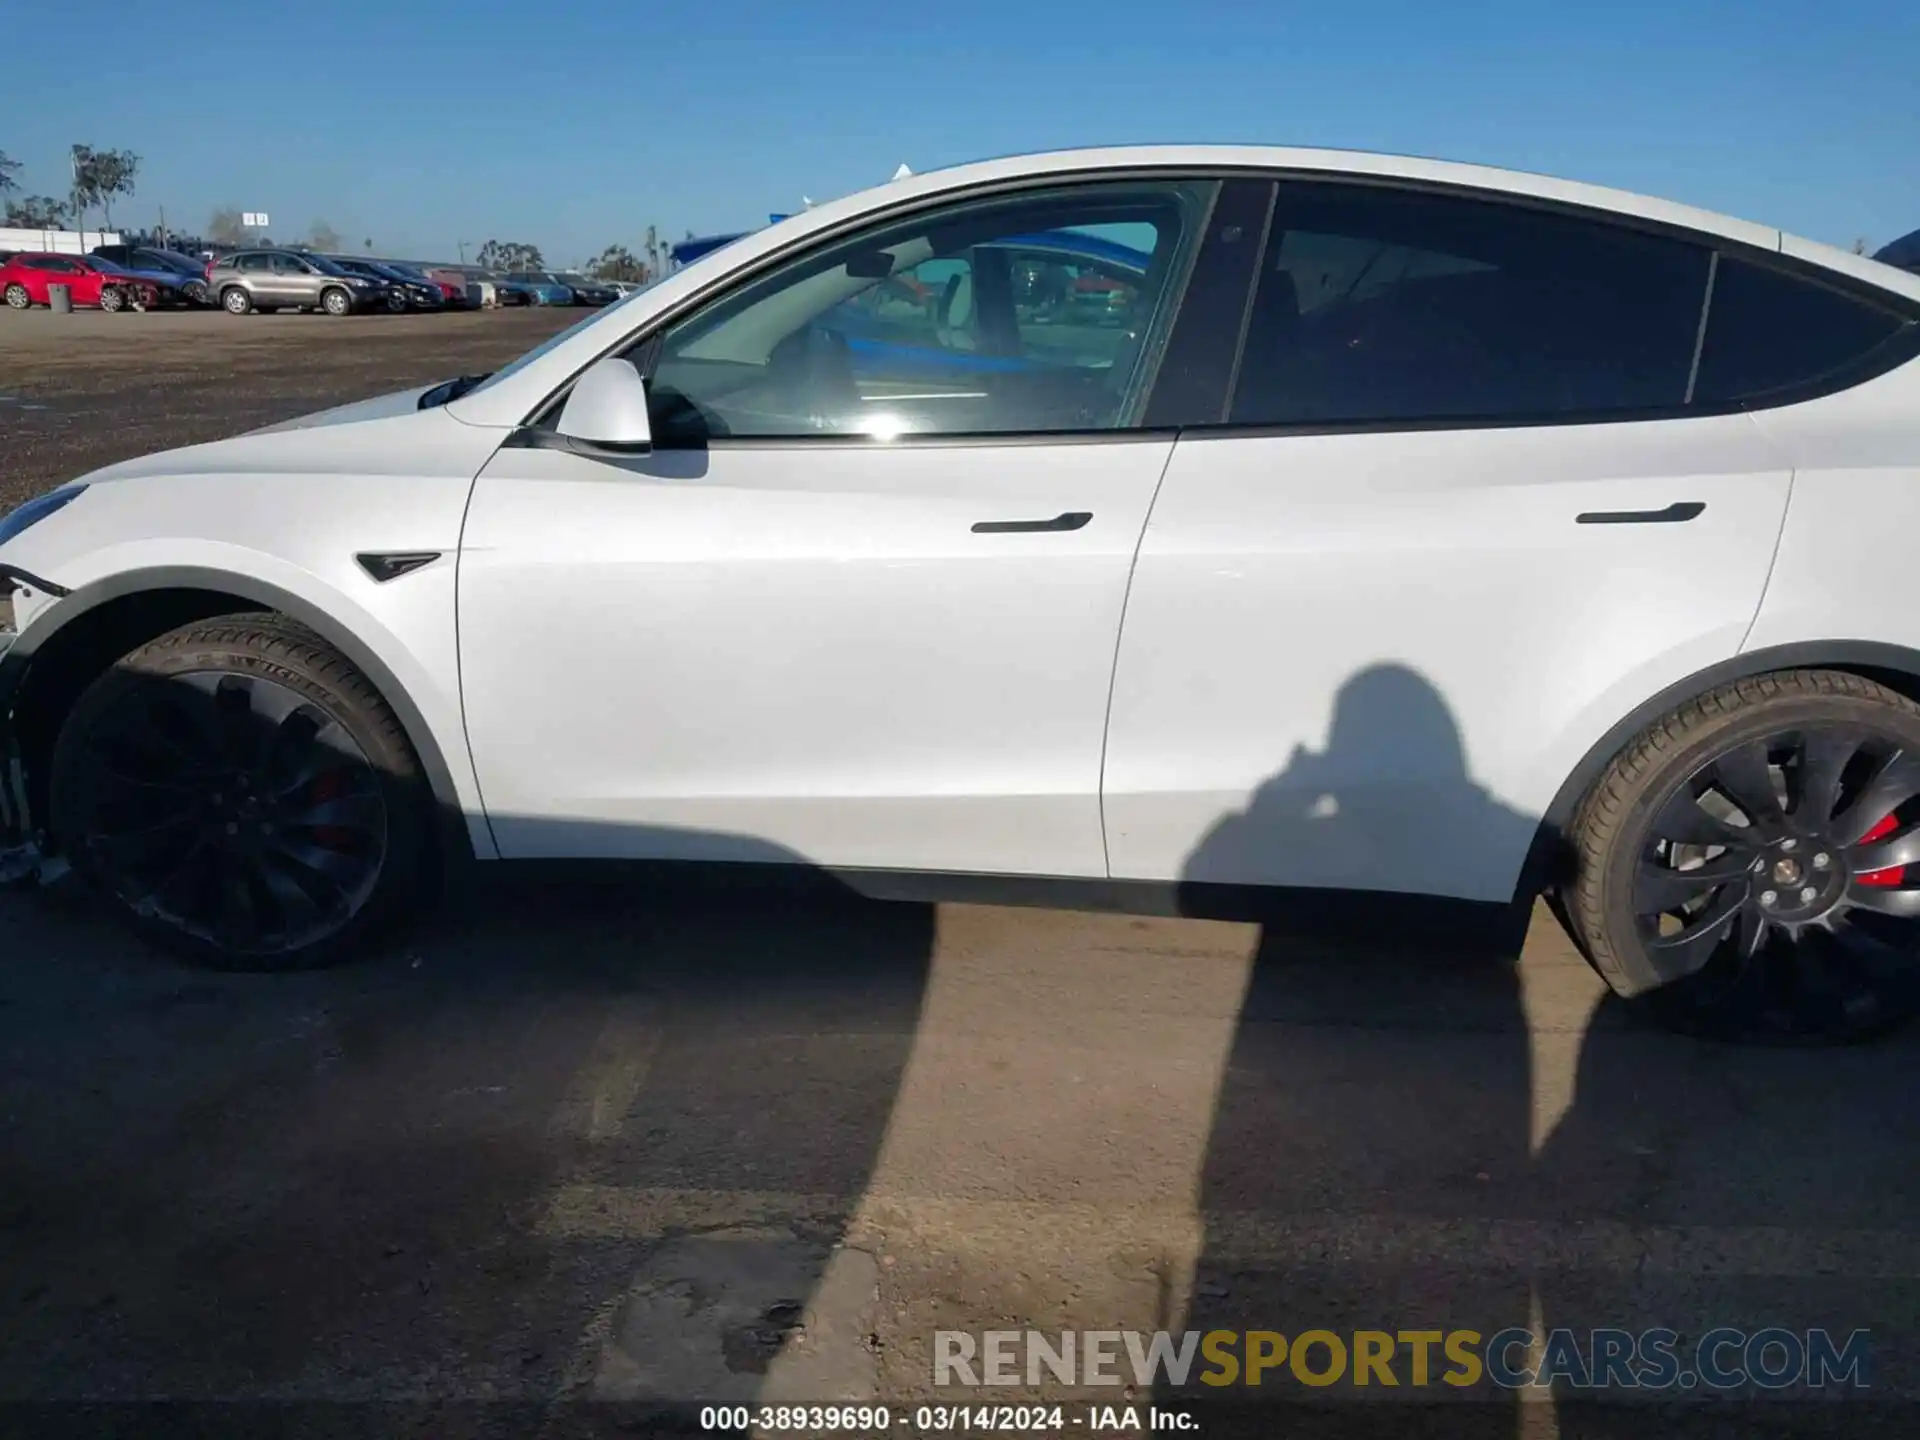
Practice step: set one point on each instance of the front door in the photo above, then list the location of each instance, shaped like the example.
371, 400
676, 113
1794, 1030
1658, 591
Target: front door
856, 609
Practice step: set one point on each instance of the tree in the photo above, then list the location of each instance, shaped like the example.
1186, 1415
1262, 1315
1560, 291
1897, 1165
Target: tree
509, 255
323, 237
35, 212
224, 227
616, 262
98, 176
7, 166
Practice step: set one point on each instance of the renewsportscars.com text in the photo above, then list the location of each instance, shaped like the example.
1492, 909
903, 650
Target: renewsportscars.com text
1656, 1359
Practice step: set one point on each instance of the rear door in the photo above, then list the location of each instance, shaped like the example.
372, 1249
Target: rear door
1460, 514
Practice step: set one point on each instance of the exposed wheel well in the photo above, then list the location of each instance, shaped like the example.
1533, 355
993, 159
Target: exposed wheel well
69, 660
1550, 859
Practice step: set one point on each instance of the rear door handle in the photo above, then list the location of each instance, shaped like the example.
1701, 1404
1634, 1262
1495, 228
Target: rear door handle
1069, 520
1672, 515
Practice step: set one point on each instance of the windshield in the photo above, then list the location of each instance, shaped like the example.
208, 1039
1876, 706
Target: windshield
572, 277
593, 317
323, 265
166, 260
105, 266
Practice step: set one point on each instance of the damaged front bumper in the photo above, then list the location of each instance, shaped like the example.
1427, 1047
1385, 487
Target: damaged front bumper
24, 860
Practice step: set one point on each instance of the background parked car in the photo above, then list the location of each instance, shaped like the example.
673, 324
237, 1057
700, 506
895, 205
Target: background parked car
1904, 252
453, 294
187, 274
587, 290
90, 281
403, 293
509, 290
287, 280
542, 287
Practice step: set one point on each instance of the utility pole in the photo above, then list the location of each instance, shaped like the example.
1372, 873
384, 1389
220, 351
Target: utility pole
463, 251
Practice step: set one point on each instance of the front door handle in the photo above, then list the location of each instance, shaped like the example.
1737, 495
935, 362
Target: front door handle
1672, 515
1069, 520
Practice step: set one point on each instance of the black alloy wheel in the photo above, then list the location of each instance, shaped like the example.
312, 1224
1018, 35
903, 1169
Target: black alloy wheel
241, 794
1764, 881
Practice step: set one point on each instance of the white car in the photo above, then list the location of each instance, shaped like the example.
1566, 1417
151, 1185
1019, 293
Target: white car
1425, 529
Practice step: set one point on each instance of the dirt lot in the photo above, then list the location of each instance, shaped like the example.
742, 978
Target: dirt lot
568, 1151
84, 390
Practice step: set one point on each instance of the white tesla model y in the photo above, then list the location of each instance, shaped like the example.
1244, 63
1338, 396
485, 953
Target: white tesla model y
1195, 517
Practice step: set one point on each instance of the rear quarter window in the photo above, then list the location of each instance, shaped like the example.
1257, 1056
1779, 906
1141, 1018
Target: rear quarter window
1770, 334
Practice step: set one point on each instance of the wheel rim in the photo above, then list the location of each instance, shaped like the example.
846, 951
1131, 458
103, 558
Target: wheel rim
237, 301
17, 297
231, 808
335, 302
1785, 872
111, 300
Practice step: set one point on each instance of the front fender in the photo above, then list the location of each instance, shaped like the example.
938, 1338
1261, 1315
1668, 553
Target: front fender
427, 706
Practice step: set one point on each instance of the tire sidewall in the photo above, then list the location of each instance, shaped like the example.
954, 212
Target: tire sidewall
404, 790
336, 302
19, 297
235, 300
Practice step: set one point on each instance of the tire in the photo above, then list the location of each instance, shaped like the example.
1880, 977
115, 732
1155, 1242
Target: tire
1748, 868
112, 299
18, 298
336, 301
241, 796
235, 300
195, 292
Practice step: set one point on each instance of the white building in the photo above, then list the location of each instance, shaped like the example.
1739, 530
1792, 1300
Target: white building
63, 242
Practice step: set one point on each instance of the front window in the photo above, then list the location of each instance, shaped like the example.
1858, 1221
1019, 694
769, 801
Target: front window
1037, 312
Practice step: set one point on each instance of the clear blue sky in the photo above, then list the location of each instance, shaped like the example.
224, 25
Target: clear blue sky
576, 123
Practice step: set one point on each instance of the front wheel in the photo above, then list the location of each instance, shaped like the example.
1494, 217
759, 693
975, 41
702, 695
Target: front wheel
336, 302
1749, 868
112, 299
241, 795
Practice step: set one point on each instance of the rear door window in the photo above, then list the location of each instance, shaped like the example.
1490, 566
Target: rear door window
1770, 333
1384, 305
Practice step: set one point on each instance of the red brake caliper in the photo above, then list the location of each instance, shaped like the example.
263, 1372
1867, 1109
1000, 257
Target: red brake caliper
333, 837
1895, 875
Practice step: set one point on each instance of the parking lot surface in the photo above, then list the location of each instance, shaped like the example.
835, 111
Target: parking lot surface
568, 1149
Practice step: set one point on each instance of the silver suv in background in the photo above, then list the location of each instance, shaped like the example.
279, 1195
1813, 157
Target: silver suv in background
283, 280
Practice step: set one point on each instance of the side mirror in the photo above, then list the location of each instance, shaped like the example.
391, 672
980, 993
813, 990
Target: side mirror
607, 409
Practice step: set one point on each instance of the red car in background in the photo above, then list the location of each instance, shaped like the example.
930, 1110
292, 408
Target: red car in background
90, 280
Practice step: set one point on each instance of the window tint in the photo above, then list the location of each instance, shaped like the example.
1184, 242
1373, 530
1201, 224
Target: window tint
1768, 331
1375, 304
949, 323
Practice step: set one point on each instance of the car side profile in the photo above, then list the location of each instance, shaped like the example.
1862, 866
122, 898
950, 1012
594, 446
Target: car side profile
249, 280
1298, 522
26, 280
186, 274
541, 287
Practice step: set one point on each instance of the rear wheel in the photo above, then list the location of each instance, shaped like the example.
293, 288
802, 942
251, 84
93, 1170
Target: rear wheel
1749, 868
235, 300
241, 795
18, 298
